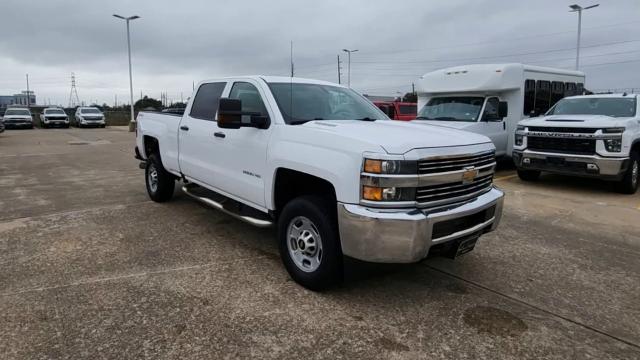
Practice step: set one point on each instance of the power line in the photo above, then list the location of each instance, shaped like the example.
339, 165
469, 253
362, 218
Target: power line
502, 40
496, 56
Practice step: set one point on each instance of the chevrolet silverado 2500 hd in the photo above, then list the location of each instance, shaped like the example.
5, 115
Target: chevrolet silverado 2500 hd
328, 167
592, 136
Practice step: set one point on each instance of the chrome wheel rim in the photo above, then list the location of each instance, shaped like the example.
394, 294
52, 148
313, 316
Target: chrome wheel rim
634, 173
153, 178
304, 244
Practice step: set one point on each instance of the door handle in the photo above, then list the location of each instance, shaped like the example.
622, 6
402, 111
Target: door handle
184, 128
219, 135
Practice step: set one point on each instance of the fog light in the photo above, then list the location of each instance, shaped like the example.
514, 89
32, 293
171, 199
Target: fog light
592, 168
526, 161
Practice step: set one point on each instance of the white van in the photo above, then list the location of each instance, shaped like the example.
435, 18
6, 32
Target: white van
490, 99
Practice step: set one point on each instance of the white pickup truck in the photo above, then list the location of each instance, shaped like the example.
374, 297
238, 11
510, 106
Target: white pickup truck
591, 136
328, 167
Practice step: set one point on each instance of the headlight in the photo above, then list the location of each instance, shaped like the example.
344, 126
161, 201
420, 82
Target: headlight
373, 193
396, 167
613, 145
519, 139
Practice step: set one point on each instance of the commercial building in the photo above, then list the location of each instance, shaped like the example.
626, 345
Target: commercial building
24, 98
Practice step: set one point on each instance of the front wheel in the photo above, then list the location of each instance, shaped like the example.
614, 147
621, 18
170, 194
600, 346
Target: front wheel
160, 183
629, 183
528, 175
309, 243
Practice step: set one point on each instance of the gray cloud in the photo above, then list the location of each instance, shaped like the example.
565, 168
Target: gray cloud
175, 43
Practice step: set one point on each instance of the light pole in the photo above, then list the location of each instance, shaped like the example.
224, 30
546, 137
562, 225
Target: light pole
349, 65
132, 123
577, 8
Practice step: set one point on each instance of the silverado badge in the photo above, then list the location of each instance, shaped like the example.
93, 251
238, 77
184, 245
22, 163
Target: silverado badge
469, 175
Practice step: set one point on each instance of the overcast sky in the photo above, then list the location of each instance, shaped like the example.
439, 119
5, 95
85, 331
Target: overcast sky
177, 42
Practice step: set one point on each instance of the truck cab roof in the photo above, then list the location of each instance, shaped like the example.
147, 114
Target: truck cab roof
274, 79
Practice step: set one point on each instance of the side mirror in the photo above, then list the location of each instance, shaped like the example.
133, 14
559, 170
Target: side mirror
503, 109
229, 113
230, 116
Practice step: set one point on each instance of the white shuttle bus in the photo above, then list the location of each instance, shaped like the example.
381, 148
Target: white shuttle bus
490, 99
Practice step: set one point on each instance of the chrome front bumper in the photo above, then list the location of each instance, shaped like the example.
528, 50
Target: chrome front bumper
405, 236
573, 164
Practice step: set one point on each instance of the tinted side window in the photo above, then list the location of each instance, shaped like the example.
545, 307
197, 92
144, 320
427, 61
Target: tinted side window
569, 89
543, 96
205, 104
251, 99
557, 91
580, 89
408, 109
491, 109
529, 96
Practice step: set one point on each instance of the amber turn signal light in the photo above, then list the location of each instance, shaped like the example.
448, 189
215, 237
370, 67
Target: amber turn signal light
373, 166
372, 193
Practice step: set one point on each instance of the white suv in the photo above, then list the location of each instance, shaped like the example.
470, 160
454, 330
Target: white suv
89, 116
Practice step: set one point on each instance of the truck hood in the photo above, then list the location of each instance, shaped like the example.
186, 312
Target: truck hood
578, 121
398, 137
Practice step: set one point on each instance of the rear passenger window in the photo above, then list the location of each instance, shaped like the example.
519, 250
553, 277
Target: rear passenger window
205, 104
543, 96
251, 99
529, 96
580, 89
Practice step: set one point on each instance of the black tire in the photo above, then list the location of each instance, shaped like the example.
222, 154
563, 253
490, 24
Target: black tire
322, 217
160, 190
528, 175
631, 179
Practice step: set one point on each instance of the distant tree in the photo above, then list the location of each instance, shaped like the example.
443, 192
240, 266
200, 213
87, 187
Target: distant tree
410, 97
147, 102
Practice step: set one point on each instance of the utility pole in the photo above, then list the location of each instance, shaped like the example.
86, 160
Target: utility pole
339, 70
28, 94
349, 65
577, 8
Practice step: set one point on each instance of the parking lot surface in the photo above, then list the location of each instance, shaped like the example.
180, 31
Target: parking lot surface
91, 268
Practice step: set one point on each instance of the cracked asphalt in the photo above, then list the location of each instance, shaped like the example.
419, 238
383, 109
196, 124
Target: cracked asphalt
92, 269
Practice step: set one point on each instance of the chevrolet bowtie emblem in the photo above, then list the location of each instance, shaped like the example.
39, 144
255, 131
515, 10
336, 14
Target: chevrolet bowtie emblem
469, 175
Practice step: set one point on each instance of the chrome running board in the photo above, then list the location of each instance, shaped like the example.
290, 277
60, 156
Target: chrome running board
263, 223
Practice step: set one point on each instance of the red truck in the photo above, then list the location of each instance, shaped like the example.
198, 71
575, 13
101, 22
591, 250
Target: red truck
397, 110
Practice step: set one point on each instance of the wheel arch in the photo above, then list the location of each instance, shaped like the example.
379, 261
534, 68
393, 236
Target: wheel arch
289, 184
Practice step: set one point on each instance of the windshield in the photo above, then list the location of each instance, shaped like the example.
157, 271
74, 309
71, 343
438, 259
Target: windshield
54, 111
17, 112
322, 102
90, 111
454, 108
614, 107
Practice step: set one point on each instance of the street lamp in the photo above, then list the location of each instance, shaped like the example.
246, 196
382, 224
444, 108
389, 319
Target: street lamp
132, 123
577, 8
349, 66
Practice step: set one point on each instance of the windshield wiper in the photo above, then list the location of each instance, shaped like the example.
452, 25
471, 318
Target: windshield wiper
302, 121
423, 118
367, 119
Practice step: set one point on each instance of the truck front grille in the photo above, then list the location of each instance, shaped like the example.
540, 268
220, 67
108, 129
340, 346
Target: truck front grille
563, 129
561, 145
453, 192
432, 166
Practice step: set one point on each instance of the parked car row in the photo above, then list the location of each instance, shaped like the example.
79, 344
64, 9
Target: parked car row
19, 117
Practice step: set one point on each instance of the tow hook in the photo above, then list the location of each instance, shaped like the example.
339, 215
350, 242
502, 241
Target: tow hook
142, 165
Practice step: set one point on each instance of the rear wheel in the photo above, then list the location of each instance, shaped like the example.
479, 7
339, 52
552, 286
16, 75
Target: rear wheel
528, 175
629, 183
160, 183
309, 242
